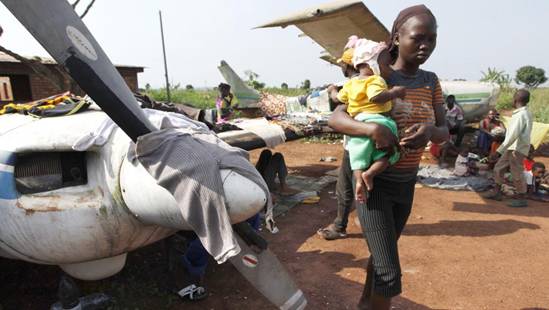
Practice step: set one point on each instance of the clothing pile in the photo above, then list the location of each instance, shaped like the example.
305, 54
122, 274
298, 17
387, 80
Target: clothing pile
56, 105
433, 176
272, 105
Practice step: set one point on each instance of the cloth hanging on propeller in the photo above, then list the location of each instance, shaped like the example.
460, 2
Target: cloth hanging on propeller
186, 162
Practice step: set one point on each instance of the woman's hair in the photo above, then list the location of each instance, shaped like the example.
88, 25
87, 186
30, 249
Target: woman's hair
223, 86
402, 17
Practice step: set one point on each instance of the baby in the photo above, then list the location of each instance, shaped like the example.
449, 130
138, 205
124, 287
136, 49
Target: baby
368, 99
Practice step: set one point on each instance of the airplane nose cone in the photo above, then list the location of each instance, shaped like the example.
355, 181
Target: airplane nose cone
242, 193
154, 205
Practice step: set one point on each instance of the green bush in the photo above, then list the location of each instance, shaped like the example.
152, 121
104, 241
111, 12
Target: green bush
539, 104
505, 99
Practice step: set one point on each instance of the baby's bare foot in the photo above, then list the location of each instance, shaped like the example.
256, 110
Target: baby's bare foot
368, 180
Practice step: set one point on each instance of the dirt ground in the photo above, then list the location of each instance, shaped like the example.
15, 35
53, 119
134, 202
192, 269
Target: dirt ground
457, 252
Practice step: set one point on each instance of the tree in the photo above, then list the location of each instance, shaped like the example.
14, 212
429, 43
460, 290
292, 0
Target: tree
252, 79
284, 86
530, 76
252, 76
53, 74
496, 76
189, 87
306, 84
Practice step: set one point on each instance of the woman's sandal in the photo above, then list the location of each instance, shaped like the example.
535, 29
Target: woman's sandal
331, 233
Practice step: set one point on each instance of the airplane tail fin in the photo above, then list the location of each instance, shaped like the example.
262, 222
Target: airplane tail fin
247, 96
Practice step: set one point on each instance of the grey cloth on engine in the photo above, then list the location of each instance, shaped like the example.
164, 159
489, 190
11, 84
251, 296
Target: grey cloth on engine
186, 162
433, 176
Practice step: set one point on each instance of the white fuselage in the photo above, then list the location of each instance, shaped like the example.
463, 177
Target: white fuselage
116, 209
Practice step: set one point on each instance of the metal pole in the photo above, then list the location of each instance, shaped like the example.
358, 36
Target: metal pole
165, 61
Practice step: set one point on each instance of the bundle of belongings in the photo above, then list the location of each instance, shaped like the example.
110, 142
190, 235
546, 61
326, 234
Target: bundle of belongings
436, 177
201, 115
56, 105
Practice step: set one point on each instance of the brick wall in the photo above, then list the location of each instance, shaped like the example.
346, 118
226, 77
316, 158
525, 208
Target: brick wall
42, 87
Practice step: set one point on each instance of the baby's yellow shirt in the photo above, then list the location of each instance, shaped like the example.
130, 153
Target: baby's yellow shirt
356, 93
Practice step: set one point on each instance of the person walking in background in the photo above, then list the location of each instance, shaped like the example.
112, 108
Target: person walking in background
514, 149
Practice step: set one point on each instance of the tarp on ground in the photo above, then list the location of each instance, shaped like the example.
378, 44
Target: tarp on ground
540, 132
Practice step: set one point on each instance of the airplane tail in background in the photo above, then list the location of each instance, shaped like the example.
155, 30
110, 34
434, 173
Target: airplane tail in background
247, 96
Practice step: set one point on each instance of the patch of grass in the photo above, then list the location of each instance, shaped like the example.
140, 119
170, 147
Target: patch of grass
539, 105
205, 98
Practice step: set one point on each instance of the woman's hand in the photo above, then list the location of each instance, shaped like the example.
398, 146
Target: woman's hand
384, 139
343, 123
417, 136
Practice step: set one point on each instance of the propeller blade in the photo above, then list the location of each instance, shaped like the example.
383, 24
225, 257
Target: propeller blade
62, 33
265, 272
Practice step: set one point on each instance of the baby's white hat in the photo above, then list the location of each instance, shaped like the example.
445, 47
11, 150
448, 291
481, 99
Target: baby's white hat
367, 52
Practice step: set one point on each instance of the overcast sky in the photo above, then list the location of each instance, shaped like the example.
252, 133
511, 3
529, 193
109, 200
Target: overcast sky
472, 36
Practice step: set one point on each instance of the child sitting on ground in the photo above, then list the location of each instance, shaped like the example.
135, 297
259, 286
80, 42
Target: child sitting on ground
461, 167
534, 177
368, 99
467, 163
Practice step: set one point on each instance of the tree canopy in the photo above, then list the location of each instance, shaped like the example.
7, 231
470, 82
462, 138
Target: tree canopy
530, 76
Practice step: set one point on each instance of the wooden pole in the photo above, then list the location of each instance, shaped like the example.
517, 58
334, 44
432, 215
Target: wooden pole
165, 61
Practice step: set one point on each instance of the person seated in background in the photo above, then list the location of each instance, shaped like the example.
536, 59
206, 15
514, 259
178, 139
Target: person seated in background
442, 151
491, 133
271, 166
528, 162
223, 103
454, 119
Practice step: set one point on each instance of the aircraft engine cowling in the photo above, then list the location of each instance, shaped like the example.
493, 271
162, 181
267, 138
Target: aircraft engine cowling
154, 205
